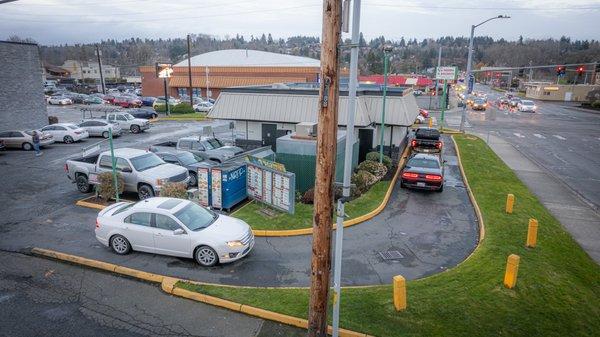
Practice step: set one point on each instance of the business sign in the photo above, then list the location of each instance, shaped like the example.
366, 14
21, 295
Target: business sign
216, 188
446, 73
164, 70
265, 162
203, 194
271, 186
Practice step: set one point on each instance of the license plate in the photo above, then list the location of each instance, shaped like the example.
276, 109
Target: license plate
420, 184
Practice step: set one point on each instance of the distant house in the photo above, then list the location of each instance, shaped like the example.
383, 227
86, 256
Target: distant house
261, 114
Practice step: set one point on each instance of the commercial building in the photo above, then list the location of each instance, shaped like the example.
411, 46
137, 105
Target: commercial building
547, 91
21, 87
261, 114
403, 81
214, 71
90, 70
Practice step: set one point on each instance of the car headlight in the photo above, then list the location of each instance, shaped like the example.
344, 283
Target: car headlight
235, 243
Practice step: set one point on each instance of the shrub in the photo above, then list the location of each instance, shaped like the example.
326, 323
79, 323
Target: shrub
309, 196
596, 104
106, 187
174, 190
374, 167
181, 108
374, 156
363, 180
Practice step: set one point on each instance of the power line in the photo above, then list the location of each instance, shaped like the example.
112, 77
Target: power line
570, 8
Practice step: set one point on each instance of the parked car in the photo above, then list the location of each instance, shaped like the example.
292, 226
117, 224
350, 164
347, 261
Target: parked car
148, 101
79, 98
127, 121
143, 172
423, 171
100, 128
479, 104
417, 92
127, 102
203, 107
93, 100
423, 112
174, 227
161, 101
188, 160
23, 139
143, 113
526, 105
514, 102
2, 146
205, 147
66, 132
426, 139
59, 100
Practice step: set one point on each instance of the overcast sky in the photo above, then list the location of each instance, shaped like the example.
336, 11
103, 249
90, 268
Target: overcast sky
72, 21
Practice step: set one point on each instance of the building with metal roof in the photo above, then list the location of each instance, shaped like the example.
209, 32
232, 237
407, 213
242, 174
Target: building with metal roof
248, 58
261, 114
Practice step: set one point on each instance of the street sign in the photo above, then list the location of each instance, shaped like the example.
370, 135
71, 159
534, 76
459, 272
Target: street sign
470, 83
446, 73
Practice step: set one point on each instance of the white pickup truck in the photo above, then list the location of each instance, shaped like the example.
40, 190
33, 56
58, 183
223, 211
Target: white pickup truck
143, 172
127, 122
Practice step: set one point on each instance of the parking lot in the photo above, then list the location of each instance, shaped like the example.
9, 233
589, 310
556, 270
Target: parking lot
428, 232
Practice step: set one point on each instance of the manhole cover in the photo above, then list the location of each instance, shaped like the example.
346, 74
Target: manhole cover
391, 255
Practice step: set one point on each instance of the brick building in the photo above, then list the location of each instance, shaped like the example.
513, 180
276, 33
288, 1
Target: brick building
21, 87
230, 68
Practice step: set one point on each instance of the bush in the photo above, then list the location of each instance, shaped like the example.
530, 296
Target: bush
309, 196
106, 187
595, 104
374, 156
52, 119
174, 190
374, 167
363, 180
181, 108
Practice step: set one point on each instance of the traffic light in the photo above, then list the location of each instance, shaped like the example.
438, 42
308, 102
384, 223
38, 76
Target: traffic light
561, 70
580, 70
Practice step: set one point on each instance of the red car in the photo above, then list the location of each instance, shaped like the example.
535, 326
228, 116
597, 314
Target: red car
423, 112
127, 102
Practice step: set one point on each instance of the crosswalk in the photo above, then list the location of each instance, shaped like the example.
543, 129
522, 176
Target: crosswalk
539, 136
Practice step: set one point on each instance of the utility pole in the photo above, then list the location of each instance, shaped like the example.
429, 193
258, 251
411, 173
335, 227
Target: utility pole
206, 74
98, 53
190, 68
386, 49
439, 64
530, 71
326, 149
348, 154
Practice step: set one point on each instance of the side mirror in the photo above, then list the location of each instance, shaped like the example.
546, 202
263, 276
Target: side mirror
178, 231
126, 169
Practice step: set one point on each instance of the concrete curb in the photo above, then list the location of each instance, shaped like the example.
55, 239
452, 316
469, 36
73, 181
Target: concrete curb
169, 286
305, 231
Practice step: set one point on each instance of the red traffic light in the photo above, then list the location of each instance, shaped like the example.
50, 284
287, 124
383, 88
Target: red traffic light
580, 70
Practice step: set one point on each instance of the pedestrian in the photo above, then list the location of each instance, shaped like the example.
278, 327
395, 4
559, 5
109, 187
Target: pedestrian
35, 138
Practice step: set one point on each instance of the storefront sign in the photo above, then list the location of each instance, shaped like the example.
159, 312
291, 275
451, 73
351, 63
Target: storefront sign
446, 73
267, 163
271, 186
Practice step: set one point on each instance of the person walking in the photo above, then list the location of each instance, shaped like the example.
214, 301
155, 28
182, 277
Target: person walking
35, 138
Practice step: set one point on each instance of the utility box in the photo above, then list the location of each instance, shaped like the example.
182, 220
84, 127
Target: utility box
306, 129
298, 154
222, 186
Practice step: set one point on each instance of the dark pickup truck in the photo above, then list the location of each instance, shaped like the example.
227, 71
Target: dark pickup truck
426, 140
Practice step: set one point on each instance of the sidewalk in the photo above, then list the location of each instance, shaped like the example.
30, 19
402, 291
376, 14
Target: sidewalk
577, 217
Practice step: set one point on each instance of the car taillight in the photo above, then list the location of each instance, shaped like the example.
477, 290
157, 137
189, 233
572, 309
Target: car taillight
67, 168
77, 132
413, 143
410, 175
433, 177
439, 144
97, 223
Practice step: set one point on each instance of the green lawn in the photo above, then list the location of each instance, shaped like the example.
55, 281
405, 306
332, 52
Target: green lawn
197, 116
302, 218
557, 293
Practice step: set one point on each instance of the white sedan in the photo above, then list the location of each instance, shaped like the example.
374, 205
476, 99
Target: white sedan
59, 100
174, 227
203, 107
66, 132
525, 105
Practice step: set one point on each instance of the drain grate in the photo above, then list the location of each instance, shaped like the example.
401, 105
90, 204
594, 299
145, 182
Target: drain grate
391, 255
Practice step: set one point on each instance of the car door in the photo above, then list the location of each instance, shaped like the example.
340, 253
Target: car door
7, 138
129, 177
166, 241
17, 138
139, 231
51, 129
59, 132
123, 122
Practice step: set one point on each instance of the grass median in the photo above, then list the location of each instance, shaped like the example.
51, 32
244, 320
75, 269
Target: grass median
184, 117
302, 217
557, 293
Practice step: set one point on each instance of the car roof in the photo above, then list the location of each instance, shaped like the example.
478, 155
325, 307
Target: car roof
154, 203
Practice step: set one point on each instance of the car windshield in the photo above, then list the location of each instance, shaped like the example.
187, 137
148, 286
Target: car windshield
527, 102
187, 158
207, 145
423, 162
128, 116
146, 161
196, 217
72, 126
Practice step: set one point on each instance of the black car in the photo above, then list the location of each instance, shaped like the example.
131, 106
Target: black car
187, 160
423, 171
143, 113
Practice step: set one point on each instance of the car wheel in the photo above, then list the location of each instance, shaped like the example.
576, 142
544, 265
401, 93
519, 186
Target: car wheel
206, 256
105, 134
68, 139
441, 189
154, 116
145, 192
120, 245
83, 185
135, 129
193, 179
402, 185
27, 146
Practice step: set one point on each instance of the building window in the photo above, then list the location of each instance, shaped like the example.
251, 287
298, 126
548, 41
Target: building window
197, 92
182, 91
546, 93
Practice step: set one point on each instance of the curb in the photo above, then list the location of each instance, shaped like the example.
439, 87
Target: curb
169, 286
84, 203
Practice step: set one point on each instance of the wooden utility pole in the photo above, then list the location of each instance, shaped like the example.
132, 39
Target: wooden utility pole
190, 68
326, 149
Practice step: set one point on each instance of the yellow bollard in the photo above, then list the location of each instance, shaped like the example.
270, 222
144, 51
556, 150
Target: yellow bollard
532, 233
512, 269
399, 293
510, 201
430, 122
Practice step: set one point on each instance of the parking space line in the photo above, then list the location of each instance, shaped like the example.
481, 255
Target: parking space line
539, 136
559, 137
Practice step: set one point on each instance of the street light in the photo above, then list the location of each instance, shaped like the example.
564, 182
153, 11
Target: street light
386, 49
469, 60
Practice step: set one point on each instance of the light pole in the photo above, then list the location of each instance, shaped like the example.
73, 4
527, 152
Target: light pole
469, 60
386, 50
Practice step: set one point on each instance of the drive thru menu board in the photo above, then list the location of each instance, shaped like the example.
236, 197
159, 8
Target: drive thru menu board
272, 187
203, 186
216, 188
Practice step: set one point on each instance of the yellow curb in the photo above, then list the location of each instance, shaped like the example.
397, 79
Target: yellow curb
347, 223
84, 203
168, 284
153, 120
150, 277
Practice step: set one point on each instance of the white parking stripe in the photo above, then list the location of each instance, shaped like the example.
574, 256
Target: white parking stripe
560, 137
518, 135
539, 136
